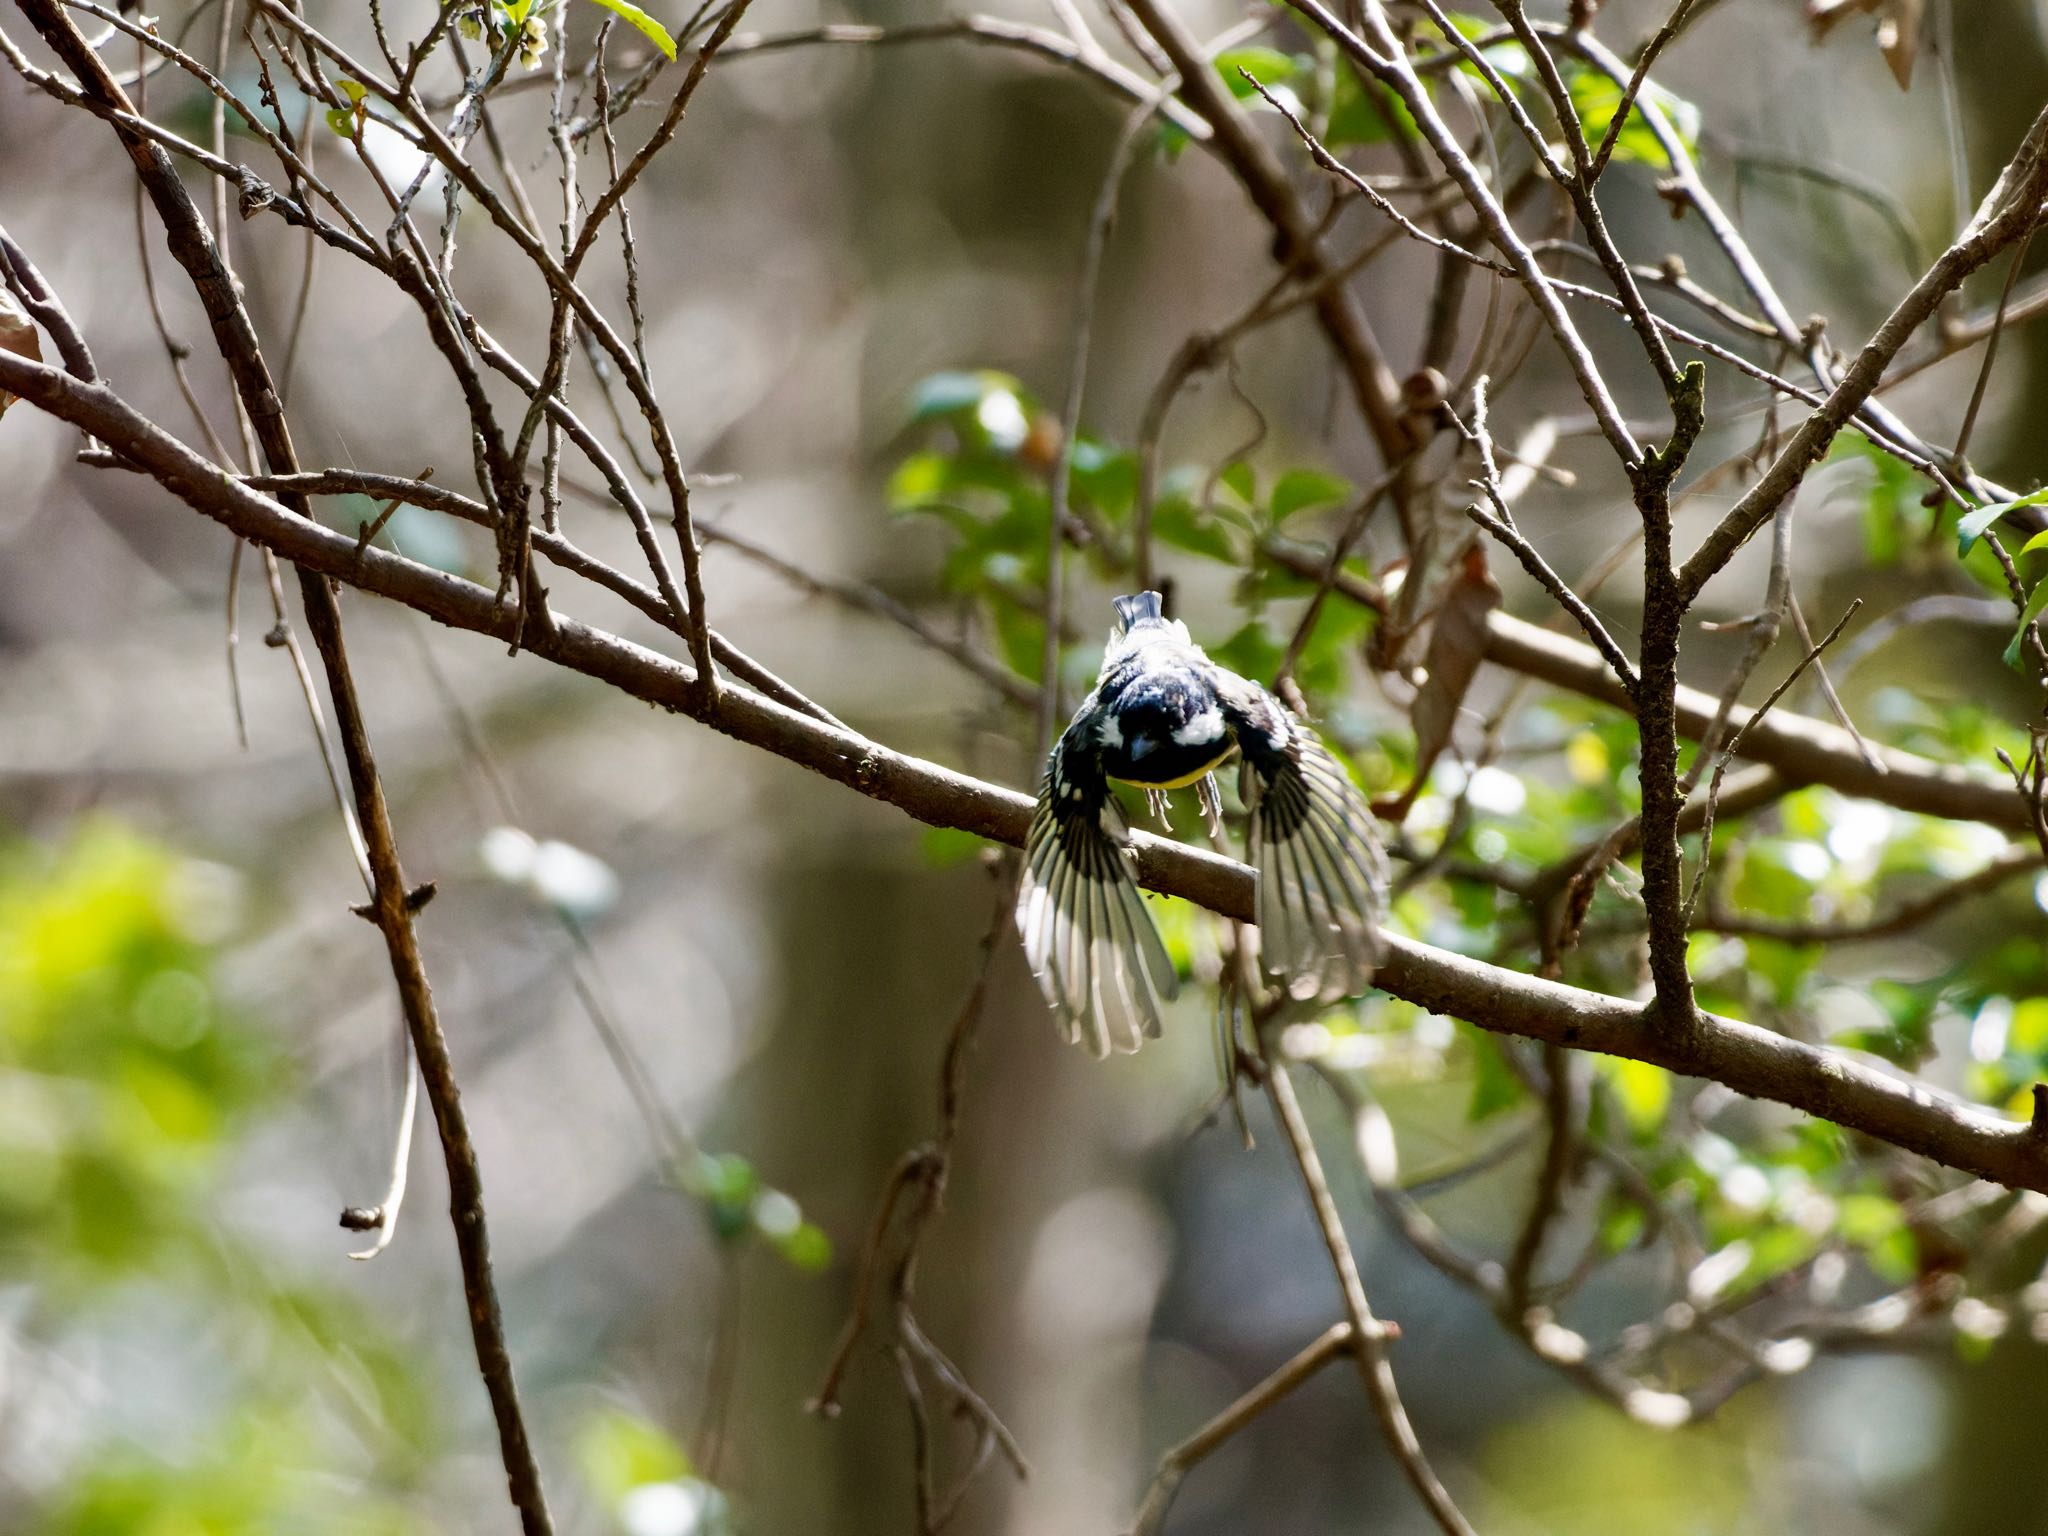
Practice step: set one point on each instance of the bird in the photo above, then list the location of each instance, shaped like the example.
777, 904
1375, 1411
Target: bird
1163, 716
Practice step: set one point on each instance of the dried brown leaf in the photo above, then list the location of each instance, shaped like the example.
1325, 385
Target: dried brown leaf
17, 335
1898, 39
1823, 14
1898, 28
1457, 642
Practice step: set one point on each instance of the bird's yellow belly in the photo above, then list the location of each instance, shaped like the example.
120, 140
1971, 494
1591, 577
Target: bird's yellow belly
1185, 779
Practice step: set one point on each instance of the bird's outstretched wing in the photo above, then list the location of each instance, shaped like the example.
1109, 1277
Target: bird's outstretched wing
1086, 932
1322, 869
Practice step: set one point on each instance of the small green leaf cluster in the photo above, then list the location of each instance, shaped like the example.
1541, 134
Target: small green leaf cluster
1346, 108
1974, 524
983, 470
348, 121
742, 1208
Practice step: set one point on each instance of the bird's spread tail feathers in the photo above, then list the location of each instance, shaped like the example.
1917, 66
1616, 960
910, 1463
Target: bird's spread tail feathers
1135, 609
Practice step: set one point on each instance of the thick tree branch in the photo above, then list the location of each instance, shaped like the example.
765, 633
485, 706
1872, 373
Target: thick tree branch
1805, 750
1834, 1085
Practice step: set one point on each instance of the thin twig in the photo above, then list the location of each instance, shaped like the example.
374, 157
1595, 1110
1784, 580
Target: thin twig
922, 1174
2019, 256
1634, 88
1500, 522
1735, 743
1183, 1457
1369, 1337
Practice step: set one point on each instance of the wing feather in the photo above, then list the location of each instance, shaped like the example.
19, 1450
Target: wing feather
1087, 934
1313, 840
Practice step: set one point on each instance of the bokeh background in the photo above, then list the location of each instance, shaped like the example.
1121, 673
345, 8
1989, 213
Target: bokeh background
198, 1041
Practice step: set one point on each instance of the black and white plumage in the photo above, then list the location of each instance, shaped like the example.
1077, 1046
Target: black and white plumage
1163, 716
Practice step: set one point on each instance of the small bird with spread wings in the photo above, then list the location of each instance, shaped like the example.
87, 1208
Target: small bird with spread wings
1164, 716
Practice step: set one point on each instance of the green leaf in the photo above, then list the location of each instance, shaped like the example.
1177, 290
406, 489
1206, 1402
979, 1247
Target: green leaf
1170, 140
1910, 1011
655, 32
1251, 652
1494, 1085
1891, 500
619, 1451
2036, 601
1595, 97
1269, 66
808, 1248
1359, 118
1864, 1219
1622, 1224
728, 1185
353, 90
1973, 523
1326, 654
1772, 878
2028, 1032
2038, 541
920, 480
944, 847
1773, 1251
1020, 637
1104, 478
1300, 489
1185, 526
1783, 968
1242, 481
1643, 1091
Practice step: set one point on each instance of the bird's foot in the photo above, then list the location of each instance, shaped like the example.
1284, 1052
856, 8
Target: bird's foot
1155, 802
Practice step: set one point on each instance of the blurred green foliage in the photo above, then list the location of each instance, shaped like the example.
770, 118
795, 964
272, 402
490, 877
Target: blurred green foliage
128, 1085
740, 1207
643, 1479
1346, 109
127, 1076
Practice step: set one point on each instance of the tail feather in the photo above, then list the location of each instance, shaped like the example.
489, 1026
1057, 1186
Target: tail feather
1138, 608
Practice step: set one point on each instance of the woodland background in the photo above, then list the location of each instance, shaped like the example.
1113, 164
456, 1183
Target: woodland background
197, 1039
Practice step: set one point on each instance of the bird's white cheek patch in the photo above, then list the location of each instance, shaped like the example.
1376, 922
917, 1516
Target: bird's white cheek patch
1205, 727
1111, 734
